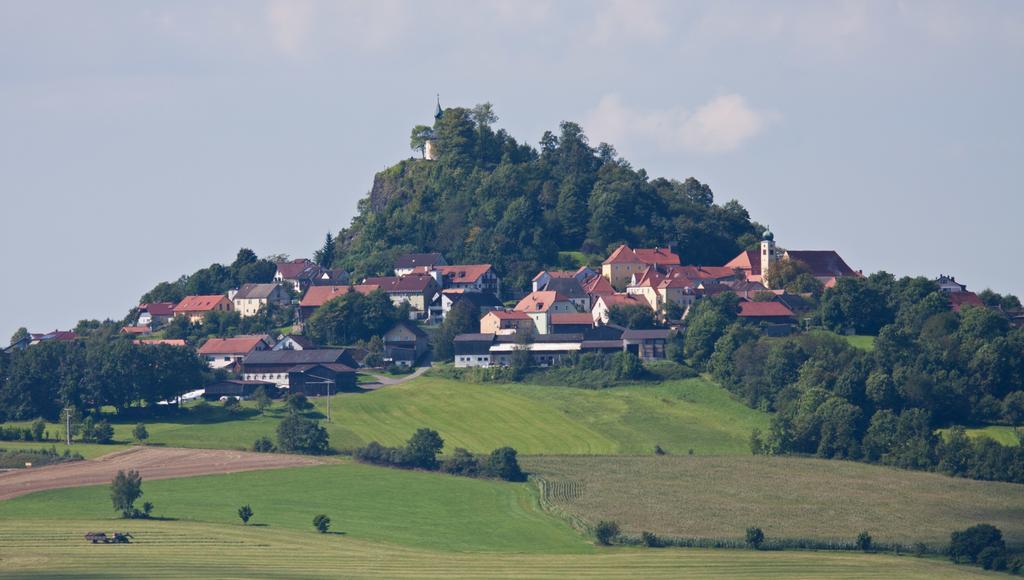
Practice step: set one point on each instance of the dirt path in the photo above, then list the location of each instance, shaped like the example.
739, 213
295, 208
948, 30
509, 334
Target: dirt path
385, 380
151, 462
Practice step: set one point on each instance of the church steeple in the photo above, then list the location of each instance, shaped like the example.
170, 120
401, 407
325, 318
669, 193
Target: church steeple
768, 256
438, 112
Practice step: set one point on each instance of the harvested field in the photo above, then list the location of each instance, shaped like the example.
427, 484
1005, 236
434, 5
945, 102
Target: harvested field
788, 497
55, 549
151, 462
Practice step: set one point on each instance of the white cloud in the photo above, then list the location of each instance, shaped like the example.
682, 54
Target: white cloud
291, 24
621, 20
721, 125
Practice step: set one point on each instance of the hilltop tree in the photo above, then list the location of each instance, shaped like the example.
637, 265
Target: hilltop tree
418, 139
325, 255
19, 334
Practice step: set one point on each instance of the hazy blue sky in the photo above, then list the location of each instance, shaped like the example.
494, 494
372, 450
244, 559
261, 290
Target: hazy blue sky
143, 140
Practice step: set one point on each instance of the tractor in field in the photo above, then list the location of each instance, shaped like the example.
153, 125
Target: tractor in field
113, 538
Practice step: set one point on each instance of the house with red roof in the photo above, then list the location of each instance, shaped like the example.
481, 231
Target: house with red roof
300, 273
604, 304
571, 322
224, 352
506, 322
772, 312
317, 296
419, 291
155, 314
196, 308
541, 305
958, 300
469, 277
625, 261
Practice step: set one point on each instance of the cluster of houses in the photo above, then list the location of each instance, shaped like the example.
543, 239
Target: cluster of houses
564, 313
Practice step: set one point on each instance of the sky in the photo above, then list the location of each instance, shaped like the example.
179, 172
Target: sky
140, 141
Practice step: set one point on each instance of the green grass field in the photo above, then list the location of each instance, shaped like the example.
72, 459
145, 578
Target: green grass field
788, 497
863, 342
411, 508
1003, 434
679, 415
56, 549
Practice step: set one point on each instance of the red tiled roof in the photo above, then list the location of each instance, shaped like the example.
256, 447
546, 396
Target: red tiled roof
295, 269
200, 303
655, 256
572, 318
659, 256
677, 283
237, 345
958, 300
621, 300
555, 274
405, 284
822, 262
598, 286
317, 295
464, 274
701, 272
136, 329
764, 310
748, 260
508, 315
540, 301
622, 254
158, 308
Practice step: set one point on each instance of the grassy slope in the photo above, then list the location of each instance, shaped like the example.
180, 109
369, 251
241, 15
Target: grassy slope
1000, 433
55, 549
416, 509
678, 415
787, 497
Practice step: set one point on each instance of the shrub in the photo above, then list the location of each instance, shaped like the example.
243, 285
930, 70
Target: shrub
297, 434
102, 432
658, 450
140, 433
147, 509
38, 429
322, 523
992, 558
231, 405
503, 463
124, 490
297, 403
920, 549
968, 544
863, 541
461, 462
606, 532
245, 513
262, 399
626, 366
755, 537
263, 445
651, 540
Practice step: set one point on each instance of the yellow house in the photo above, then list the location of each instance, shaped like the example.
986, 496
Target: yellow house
624, 262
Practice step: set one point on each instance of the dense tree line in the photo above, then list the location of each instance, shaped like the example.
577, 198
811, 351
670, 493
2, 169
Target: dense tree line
92, 373
491, 199
215, 279
423, 448
930, 368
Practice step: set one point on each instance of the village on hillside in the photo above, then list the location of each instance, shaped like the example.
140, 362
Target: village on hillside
564, 313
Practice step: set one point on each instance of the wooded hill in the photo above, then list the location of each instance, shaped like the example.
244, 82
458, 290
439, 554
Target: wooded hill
490, 199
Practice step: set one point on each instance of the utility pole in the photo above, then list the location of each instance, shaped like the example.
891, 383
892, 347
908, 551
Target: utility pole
67, 426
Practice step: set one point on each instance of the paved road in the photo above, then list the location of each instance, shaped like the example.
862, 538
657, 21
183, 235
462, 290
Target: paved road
150, 462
